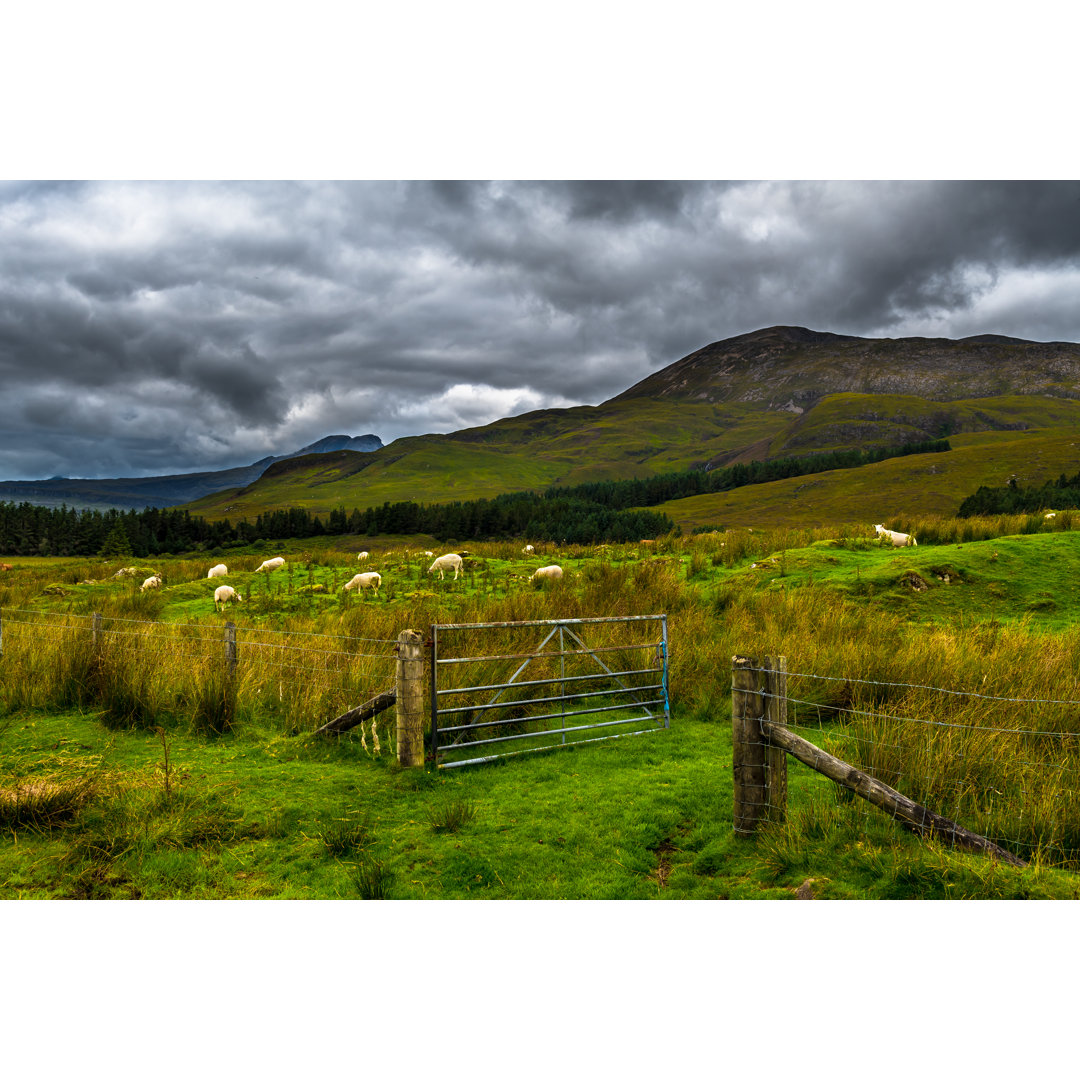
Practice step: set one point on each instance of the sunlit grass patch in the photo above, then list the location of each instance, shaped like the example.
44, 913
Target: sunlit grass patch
42, 802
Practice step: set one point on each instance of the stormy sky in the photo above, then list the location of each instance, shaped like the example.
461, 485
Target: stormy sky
153, 327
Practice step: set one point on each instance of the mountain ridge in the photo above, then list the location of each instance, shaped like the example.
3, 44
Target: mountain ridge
804, 365
173, 489
776, 392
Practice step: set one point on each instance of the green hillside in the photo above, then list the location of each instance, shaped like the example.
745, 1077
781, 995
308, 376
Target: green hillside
780, 392
641, 437
567, 446
919, 486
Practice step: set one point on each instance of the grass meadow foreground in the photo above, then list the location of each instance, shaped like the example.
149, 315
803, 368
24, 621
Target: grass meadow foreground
133, 768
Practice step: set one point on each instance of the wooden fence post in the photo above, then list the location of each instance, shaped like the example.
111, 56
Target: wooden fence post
230, 649
775, 756
748, 744
95, 630
410, 699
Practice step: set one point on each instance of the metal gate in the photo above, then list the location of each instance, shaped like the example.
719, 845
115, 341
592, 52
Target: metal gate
495, 690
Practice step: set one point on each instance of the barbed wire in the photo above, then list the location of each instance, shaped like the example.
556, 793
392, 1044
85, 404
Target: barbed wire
854, 737
246, 642
938, 689
168, 627
918, 720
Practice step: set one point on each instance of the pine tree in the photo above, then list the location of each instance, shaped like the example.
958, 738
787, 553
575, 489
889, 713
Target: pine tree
117, 542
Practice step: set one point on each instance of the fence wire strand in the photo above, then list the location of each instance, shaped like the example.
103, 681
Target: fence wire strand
1012, 784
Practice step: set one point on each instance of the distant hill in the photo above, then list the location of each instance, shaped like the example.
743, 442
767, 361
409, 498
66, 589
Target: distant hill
137, 492
777, 392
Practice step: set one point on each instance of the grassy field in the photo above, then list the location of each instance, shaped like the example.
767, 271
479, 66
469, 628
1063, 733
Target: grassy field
993, 438
920, 487
130, 779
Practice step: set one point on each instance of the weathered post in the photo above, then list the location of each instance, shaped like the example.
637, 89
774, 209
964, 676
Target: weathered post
230, 649
775, 756
410, 699
748, 745
95, 630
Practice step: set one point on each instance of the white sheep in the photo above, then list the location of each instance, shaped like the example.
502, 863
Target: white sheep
897, 539
371, 580
527, 549
217, 571
362, 556
151, 583
428, 554
271, 564
445, 562
1051, 514
223, 594
547, 573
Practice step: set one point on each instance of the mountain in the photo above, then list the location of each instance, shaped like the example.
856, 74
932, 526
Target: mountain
792, 367
137, 492
777, 392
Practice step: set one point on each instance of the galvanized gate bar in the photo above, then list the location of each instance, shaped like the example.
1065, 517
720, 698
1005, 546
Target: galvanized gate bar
550, 622
544, 682
535, 750
554, 731
546, 700
554, 716
567, 652
620, 685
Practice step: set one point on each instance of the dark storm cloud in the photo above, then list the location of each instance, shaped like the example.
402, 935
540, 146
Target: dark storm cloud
162, 327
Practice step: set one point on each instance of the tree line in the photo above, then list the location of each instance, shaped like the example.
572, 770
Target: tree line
1060, 494
653, 490
612, 511
26, 529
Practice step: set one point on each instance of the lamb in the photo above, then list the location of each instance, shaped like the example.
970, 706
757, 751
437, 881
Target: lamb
362, 556
897, 539
371, 580
151, 583
271, 564
223, 594
217, 571
527, 549
547, 573
445, 562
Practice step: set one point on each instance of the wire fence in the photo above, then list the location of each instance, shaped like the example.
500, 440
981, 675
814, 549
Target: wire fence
1003, 767
143, 670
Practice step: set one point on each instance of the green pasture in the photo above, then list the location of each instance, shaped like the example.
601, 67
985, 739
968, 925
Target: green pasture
921, 486
151, 802
250, 816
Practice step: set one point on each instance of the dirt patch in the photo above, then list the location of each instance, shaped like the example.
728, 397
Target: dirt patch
913, 580
663, 862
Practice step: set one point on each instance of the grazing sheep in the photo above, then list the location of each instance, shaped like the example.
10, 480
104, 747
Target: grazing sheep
271, 564
445, 562
527, 549
371, 580
6, 566
223, 594
1051, 514
547, 573
897, 539
151, 583
217, 571
428, 554
362, 556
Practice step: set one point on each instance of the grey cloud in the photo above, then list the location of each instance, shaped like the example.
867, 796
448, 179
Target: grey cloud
233, 320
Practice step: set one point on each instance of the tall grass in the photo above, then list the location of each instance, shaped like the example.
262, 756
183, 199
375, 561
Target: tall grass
305, 659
